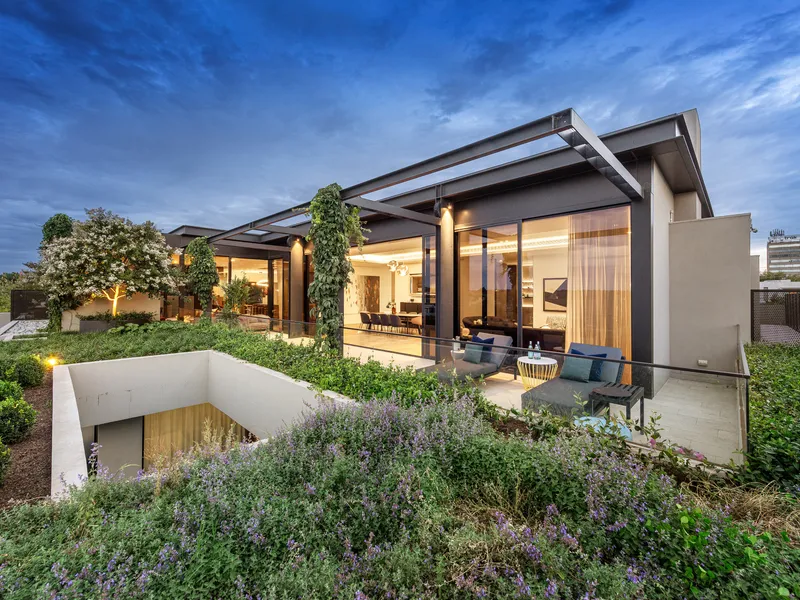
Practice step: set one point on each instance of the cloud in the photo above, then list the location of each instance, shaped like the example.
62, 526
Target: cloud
215, 113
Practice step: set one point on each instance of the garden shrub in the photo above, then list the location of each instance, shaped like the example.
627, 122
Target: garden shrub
10, 389
122, 316
375, 500
25, 369
17, 418
774, 416
5, 462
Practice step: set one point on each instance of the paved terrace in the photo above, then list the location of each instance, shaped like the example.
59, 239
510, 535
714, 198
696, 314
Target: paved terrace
703, 413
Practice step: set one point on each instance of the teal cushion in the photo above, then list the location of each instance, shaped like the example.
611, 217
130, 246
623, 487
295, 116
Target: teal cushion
478, 350
576, 369
597, 365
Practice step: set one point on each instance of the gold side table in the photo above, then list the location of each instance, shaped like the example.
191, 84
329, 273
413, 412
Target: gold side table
535, 371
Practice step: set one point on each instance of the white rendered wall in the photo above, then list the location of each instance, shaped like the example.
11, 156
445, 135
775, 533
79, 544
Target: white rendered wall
105, 393
663, 207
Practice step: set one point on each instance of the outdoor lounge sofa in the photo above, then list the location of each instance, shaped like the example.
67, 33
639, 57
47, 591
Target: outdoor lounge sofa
460, 369
559, 395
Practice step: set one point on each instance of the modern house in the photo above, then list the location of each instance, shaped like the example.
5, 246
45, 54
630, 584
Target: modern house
609, 240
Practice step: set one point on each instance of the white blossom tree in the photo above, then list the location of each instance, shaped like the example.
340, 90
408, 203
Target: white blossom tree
108, 256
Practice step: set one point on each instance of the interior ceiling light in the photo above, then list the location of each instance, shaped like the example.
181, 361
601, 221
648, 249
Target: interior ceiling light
402, 270
392, 264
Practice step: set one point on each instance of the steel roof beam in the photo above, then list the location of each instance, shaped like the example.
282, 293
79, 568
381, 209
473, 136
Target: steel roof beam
393, 211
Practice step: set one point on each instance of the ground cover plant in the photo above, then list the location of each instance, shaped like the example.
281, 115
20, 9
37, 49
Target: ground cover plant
376, 500
324, 369
774, 415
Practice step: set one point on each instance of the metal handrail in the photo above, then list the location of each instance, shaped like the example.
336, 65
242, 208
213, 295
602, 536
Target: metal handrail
562, 354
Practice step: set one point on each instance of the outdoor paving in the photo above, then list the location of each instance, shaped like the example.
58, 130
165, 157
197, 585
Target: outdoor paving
15, 328
701, 415
779, 334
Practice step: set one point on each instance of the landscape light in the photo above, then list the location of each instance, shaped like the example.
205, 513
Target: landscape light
52, 361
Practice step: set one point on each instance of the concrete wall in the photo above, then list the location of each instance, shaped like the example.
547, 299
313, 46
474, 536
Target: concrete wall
5, 318
114, 394
138, 303
663, 207
687, 207
114, 390
261, 400
709, 290
755, 271
68, 466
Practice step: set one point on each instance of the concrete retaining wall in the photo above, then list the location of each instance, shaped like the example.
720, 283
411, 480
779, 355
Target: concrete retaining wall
87, 394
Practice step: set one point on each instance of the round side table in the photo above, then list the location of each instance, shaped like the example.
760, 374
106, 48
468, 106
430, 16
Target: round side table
535, 371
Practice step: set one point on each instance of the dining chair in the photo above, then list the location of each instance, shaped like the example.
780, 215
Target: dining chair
397, 322
375, 320
385, 320
365, 320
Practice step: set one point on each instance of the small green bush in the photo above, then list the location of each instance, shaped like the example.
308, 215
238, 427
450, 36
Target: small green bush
27, 370
5, 461
10, 389
17, 418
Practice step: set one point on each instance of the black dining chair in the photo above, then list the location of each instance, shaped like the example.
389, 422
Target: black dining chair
385, 320
365, 320
397, 322
375, 320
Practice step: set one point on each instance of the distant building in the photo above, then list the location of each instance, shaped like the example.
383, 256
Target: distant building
783, 253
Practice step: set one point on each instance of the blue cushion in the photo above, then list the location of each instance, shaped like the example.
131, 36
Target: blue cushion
597, 365
576, 369
478, 350
611, 371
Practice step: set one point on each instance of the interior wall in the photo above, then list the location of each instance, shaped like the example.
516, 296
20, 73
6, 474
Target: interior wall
546, 264
351, 306
121, 446
709, 298
663, 207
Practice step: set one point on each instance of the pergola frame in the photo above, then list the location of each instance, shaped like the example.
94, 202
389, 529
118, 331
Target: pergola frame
566, 124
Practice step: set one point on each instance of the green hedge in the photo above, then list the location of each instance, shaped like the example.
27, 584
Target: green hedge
121, 317
5, 461
774, 415
25, 369
17, 418
10, 389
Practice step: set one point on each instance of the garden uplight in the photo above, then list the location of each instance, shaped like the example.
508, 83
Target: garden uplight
52, 361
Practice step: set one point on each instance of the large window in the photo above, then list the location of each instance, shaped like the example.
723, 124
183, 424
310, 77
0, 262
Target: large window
574, 281
487, 269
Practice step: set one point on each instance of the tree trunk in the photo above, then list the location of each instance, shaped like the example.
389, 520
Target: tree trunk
114, 302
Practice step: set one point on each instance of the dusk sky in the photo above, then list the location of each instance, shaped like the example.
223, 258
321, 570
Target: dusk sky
217, 112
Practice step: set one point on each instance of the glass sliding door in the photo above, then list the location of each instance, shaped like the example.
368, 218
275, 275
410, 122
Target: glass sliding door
576, 280
488, 281
428, 297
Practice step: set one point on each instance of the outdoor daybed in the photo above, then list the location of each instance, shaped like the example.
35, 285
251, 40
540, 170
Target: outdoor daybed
559, 394
491, 361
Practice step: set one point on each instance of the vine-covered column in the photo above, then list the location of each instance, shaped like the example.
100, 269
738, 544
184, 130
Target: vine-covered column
334, 227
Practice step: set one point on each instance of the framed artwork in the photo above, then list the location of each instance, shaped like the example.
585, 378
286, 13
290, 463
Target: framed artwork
554, 294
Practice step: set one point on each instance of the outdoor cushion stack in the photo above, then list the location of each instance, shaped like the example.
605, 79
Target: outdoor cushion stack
578, 377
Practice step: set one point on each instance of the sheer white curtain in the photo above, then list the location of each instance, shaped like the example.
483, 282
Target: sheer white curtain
599, 279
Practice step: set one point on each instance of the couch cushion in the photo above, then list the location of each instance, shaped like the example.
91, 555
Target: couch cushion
576, 369
611, 370
478, 350
462, 369
558, 395
597, 365
499, 348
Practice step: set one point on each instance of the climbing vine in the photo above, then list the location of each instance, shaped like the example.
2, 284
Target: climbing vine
334, 227
202, 270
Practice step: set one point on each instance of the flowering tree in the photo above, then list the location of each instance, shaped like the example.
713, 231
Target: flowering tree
107, 256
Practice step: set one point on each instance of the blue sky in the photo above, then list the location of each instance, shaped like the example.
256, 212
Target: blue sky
216, 112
